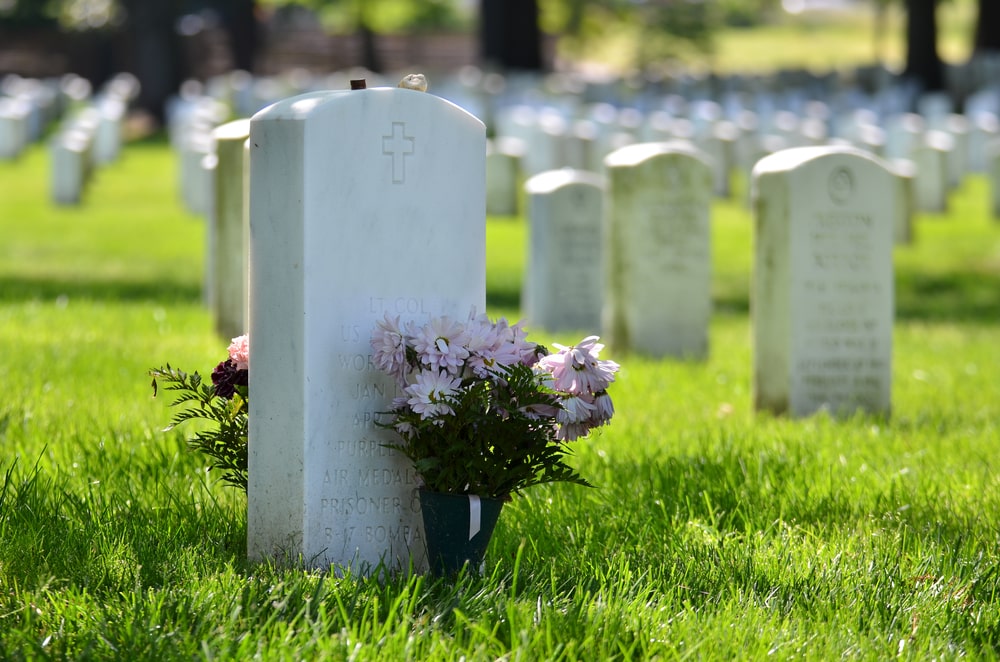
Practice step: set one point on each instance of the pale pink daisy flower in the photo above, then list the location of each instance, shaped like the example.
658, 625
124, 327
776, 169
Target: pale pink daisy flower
572, 431
604, 409
429, 395
441, 344
239, 352
390, 347
575, 409
518, 344
481, 340
576, 369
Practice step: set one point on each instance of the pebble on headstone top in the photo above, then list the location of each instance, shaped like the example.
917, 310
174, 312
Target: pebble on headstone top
822, 297
363, 203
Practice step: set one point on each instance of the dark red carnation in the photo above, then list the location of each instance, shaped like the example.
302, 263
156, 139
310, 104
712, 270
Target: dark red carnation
226, 378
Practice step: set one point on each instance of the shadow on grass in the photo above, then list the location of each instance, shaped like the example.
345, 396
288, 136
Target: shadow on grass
972, 296
503, 297
45, 289
966, 296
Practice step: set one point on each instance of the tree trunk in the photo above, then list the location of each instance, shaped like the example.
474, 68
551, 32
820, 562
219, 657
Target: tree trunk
923, 64
240, 20
509, 35
369, 48
155, 52
987, 37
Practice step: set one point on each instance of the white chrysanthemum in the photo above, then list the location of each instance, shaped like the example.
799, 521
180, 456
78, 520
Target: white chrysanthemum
441, 344
431, 394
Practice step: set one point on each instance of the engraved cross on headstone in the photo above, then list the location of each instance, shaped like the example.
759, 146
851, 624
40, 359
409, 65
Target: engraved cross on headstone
398, 145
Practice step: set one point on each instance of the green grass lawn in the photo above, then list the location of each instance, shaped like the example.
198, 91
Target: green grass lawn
713, 532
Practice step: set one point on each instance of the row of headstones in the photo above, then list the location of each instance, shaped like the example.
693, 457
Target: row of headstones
939, 149
88, 136
565, 214
540, 126
491, 95
29, 105
371, 202
628, 256
485, 93
552, 197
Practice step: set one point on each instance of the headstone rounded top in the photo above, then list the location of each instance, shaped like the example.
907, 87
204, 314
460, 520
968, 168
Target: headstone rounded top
234, 130
551, 180
302, 106
508, 145
940, 140
904, 167
632, 155
795, 157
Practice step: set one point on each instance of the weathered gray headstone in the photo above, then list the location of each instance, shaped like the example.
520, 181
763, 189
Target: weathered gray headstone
657, 297
363, 203
822, 294
563, 283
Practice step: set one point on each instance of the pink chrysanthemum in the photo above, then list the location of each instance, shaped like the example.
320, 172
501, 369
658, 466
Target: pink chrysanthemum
239, 352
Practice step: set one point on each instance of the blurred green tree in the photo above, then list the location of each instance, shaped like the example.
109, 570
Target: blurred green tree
665, 29
29, 13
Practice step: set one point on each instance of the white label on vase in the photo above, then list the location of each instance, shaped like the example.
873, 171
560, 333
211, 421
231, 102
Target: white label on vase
475, 516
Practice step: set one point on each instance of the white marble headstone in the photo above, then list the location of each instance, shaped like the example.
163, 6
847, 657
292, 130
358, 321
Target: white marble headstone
658, 258
13, 127
363, 203
229, 261
993, 173
822, 298
931, 181
503, 175
563, 283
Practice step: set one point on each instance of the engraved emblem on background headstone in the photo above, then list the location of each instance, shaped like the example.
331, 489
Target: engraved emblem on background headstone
398, 145
840, 185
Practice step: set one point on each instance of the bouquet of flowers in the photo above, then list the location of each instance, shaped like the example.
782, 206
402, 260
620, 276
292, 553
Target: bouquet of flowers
483, 411
224, 404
